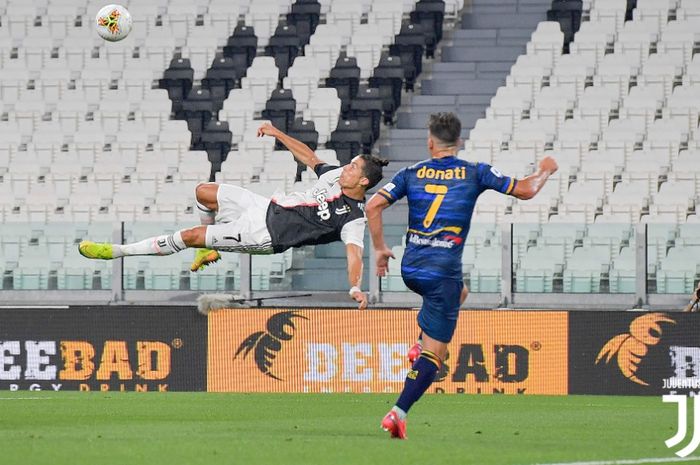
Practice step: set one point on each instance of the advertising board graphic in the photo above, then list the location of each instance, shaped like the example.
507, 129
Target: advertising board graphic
317, 350
103, 349
630, 353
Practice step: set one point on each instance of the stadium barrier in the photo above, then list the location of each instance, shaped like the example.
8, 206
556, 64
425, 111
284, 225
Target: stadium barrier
340, 350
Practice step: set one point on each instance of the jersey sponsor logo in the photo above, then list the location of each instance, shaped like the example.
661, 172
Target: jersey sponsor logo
430, 242
344, 210
389, 187
323, 209
459, 172
456, 239
496, 173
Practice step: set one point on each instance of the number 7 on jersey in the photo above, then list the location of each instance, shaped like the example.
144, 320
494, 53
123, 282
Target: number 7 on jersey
439, 190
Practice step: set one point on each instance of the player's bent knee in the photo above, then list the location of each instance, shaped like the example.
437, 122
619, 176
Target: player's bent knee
194, 237
206, 194
439, 348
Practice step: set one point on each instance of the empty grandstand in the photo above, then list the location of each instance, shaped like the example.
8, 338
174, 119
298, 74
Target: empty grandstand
108, 140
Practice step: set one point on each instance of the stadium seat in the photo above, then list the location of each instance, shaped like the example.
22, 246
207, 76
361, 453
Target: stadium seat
261, 79
305, 16
303, 80
324, 110
238, 109
325, 46
241, 48
263, 16
284, 46
346, 140
345, 17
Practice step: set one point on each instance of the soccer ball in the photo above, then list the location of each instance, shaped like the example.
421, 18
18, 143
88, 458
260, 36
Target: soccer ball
113, 23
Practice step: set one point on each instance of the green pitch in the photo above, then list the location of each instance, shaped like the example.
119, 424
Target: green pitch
200, 428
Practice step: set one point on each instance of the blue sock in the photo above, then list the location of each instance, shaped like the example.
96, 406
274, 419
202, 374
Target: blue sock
418, 380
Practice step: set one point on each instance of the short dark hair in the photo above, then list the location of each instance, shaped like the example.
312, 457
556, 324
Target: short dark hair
445, 127
373, 169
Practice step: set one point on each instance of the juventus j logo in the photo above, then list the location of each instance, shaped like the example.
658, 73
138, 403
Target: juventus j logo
682, 402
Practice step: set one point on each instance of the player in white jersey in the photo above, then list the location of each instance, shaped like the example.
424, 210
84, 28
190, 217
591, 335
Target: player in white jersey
235, 219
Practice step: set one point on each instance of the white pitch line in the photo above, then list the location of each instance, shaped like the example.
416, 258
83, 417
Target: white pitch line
27, 398
629, 461
34, 307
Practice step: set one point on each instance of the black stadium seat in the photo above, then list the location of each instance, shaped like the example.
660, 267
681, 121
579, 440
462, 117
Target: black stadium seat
346, 140
241, 47
409, 44
305, 17
284, 47
367, 108
568, 14
345, 77
388, 78
280, 109
216, 140
305, 131
177, 80
221, 77
429, 14
197, 110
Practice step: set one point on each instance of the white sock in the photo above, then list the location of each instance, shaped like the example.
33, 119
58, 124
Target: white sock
159, 245
206, 216
400, 413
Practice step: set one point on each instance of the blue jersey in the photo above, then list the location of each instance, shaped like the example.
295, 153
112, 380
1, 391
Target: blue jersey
441, 195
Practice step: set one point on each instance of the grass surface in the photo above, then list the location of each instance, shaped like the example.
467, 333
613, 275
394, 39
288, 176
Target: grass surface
204, 428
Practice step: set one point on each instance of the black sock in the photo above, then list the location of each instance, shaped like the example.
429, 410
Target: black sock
418, 380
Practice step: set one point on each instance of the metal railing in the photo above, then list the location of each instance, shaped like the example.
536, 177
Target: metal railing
505, 297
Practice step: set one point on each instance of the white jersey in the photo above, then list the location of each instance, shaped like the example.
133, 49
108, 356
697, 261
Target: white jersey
318, 215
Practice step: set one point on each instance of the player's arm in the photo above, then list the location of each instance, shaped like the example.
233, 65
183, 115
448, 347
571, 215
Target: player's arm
374, 209
354, 253
695, 298
529, 186
301, 151
386, 196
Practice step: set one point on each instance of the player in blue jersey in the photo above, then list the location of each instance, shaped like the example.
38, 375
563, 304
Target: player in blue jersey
442, 192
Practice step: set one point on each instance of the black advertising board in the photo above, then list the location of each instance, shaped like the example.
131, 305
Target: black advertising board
103, 349
634, 353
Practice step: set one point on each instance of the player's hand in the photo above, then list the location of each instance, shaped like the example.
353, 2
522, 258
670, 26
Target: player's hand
383, 256
549, 165
361, 297
267, 129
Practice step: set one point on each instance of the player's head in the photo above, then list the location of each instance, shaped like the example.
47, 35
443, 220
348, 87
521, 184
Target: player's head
443, 132
364, 171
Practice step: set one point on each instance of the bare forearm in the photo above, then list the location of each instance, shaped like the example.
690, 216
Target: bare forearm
301, 151
355, 273
373, 212
376, 229
529, 186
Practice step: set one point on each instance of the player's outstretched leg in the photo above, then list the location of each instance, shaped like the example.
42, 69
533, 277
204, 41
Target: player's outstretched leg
206, 195
166, 244
418, 380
